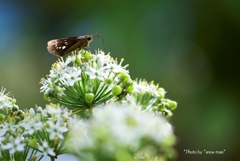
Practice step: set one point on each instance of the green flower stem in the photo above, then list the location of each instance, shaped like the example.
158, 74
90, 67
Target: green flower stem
52, 158
100, 93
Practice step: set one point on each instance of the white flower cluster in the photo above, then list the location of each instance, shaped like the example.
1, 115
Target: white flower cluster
35, 130
95, 66
149, 97
86, 80
121, 130
143, 86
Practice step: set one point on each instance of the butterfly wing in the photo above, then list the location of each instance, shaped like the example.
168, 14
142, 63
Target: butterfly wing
62, 46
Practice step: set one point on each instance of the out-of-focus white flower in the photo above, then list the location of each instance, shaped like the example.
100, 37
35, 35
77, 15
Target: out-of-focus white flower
123, 129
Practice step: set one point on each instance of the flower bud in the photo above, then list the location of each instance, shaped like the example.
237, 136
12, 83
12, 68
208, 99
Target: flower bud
20, 112
108, 81
126, 79
172, 105
161, 107
2, 117
46, 96
89, 97
116, 90
129, 82
161, 92
168, 113
57, 89
130, 88
122, 76
32, 143
15, 108
78, 61
32, 112
14, 100
87, 55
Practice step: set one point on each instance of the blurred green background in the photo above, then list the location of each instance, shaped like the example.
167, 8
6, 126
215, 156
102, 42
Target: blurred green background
192, 48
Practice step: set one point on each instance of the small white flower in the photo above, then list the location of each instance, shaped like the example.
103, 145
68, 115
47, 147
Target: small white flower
116, 68
56, 129
58, 111
61, 64
5, 100
139, 87
102, 59
31, 126
10, 126
3, 130
53, 109
40, 112
4, 103
15, 145
72, 76
58, 74
46, 84
143, 86
45, 149
94, 73
32, 112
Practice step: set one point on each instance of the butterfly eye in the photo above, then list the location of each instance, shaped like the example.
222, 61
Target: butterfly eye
89, 38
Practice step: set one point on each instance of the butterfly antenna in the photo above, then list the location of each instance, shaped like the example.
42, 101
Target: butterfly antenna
99, 35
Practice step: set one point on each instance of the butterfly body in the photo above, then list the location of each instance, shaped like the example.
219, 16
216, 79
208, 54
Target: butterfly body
62, 46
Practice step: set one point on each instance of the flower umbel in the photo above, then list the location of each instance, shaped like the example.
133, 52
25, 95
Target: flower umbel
150, 97
85, 80
34, 133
